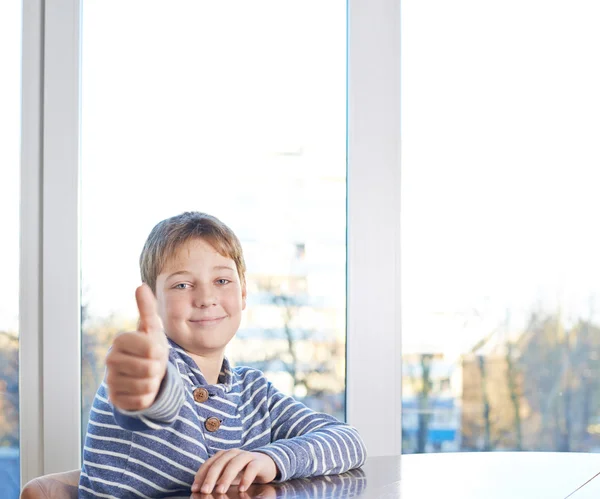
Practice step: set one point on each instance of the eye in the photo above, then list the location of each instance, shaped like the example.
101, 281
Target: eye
181, 285
222, 282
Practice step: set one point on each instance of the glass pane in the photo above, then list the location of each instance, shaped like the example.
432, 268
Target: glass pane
501, 282
10, 122
236, 112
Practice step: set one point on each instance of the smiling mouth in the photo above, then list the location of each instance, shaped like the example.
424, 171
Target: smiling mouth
209, 321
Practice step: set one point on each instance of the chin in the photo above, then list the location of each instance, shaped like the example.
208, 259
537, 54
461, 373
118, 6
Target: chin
206, 349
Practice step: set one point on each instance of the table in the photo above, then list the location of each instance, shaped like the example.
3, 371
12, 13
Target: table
495, 475
488, 475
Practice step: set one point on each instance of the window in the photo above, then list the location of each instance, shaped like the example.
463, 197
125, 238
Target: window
501, 310
306, 79
10, 53
238, 113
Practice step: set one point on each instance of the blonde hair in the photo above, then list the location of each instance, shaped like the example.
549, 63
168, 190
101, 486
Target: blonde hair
172, 233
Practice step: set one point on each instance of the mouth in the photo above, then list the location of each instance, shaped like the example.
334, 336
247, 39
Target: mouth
207, 321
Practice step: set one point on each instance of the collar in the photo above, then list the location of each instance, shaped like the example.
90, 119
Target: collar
225, 380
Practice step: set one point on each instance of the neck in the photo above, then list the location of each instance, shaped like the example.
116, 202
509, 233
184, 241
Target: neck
210, 365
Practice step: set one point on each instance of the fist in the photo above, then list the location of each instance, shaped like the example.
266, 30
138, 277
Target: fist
137, 362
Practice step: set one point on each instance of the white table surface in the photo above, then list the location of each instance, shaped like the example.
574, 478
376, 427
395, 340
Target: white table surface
494, 475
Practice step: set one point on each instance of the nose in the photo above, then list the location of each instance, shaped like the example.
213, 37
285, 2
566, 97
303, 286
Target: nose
204, 296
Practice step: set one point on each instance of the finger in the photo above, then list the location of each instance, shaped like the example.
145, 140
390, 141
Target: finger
249, 475
131, 402
201, 473
231, 471
214, 471
146, 302
204, 468
132, 366
126, 385
136, 344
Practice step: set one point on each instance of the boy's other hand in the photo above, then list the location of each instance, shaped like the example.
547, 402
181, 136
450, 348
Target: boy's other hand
234, 466
137, 362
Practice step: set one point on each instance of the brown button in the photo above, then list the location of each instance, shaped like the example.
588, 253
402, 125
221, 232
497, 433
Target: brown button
212, 424
200, 395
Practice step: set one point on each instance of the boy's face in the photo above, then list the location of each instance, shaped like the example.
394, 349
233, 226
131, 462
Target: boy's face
200, 298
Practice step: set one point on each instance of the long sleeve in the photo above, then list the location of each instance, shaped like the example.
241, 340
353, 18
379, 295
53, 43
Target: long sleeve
305, 443
162, 412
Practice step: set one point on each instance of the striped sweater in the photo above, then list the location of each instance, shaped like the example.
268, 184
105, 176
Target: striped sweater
157, 452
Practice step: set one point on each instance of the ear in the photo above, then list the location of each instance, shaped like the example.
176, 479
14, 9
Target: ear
244, 296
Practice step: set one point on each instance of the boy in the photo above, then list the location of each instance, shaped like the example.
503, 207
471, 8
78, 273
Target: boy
172, 414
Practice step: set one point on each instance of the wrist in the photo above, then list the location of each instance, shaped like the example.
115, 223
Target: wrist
273, 472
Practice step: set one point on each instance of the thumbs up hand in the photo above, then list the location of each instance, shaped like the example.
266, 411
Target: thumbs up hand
137, 362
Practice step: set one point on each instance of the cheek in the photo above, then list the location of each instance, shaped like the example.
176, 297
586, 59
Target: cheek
176, 307
233, 302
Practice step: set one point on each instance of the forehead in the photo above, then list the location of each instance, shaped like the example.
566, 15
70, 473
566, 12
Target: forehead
196, 251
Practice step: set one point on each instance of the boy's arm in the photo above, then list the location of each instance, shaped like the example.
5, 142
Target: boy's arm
162, 412
305, 443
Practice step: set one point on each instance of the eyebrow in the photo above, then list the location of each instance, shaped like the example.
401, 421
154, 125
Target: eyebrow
179, 272
217, 267
223, 267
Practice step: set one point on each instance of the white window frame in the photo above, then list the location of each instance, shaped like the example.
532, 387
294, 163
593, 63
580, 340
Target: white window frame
30, 338
374, 355
50, 389
50, 353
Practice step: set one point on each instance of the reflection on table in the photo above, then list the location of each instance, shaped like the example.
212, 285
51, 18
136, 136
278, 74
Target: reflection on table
350, 484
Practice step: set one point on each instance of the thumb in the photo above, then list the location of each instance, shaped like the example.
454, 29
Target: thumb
146, 302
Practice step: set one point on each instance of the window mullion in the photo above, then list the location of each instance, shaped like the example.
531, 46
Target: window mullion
374, 340
30, 312
61, 354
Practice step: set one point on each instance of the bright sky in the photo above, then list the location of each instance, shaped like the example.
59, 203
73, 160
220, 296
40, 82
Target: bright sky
500, 160
205, 118
500, 150
10, 81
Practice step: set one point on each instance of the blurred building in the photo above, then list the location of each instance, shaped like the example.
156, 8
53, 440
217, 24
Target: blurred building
294, 327
431, 403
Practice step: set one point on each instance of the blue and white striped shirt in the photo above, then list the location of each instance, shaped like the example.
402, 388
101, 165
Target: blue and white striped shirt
157, 452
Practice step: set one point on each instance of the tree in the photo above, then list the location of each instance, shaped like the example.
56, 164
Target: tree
512, 381
312, 363
492, 395
424, 406
561, 369
485, 403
